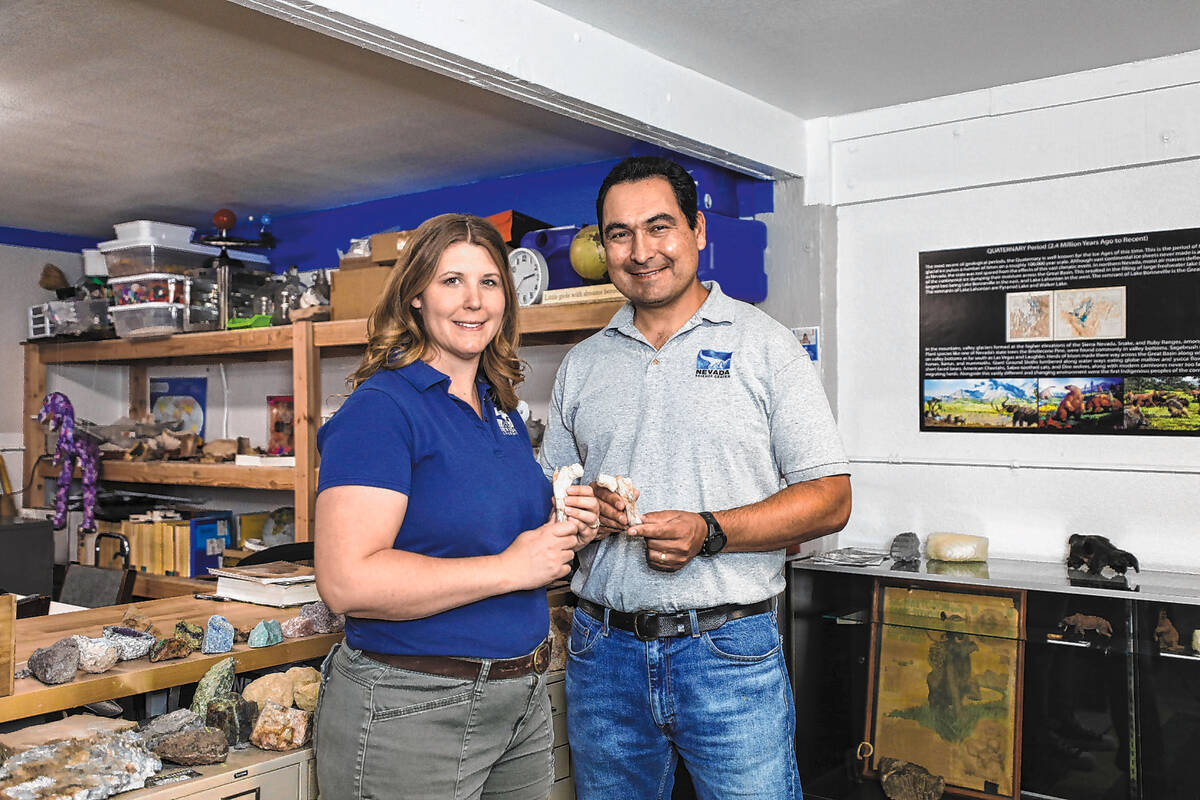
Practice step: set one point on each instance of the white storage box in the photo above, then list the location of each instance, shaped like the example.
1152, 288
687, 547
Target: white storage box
126, 257
93, 263
163, 232
153, 320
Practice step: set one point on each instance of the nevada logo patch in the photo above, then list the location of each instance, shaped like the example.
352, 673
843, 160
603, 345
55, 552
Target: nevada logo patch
504, 422
713, 364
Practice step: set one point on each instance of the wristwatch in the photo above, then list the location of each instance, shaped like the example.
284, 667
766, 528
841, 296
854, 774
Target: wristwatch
714, 542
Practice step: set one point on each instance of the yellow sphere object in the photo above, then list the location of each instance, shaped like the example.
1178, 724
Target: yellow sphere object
587, 254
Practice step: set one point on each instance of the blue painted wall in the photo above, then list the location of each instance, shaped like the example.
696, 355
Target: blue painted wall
44, 240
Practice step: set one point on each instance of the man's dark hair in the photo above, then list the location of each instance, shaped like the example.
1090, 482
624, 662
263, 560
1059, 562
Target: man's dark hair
637, 168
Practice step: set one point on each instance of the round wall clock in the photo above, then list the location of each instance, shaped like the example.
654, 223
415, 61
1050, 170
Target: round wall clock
530, 273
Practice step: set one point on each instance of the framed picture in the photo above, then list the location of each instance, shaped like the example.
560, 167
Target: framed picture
945, 685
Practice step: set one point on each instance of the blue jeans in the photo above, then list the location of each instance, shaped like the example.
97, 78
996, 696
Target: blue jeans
720, 700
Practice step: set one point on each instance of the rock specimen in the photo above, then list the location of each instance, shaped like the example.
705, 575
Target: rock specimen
563, 478
183, 719
130, 644
305, 696
218, 635
902, 780
325, 620
140, 622
233, 715
624, 487
560, 633
190, 631
240, 634
22, 674
280, 728
956, 547
265, 634
906, 547
56, 663
302, 675
217, 681
96, 655
297, 627
166, 649
89, 768
274, 687
193, 747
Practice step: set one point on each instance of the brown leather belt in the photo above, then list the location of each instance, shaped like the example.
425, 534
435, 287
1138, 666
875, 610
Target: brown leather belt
647, 625
469, 668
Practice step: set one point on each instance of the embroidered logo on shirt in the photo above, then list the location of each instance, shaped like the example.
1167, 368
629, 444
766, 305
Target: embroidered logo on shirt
505, 424
713, 364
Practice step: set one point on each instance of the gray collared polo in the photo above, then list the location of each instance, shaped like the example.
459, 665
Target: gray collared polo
725, 414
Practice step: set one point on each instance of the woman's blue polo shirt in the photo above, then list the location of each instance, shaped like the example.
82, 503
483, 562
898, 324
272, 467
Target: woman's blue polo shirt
472, 487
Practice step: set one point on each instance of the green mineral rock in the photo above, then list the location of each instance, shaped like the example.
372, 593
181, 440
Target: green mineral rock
190, 631
217, 681
266, 633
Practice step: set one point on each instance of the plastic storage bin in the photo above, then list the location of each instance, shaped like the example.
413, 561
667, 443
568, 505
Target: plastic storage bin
555, 246
154, 231
160, 287
128, 257
153, 320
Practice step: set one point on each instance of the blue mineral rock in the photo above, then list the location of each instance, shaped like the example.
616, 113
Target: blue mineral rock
218, 635
266, 633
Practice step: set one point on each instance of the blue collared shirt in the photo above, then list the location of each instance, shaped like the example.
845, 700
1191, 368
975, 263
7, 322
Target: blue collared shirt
472, 487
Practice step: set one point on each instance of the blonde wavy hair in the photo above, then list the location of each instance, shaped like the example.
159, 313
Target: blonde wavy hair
396, 334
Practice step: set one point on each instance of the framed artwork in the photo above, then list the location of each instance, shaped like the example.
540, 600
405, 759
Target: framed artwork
945, 685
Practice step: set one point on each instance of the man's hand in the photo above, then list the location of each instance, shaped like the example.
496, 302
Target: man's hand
673, 538
612, 511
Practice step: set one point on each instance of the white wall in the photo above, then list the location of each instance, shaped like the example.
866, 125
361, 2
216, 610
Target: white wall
942, 180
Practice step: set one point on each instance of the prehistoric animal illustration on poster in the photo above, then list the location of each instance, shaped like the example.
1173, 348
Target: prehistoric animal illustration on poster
947, 685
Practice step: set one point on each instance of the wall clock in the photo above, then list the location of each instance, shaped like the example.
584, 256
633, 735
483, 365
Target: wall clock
530, 273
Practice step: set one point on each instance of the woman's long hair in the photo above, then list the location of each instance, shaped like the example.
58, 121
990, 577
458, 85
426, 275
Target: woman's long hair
396, 335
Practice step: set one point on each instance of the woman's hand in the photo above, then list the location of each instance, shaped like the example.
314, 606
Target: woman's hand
583, 509
541, 555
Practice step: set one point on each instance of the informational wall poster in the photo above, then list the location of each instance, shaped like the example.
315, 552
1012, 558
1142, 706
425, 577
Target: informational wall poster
1089, 335
810, 339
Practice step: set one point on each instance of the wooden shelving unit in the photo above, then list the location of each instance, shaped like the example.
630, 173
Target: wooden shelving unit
302, 342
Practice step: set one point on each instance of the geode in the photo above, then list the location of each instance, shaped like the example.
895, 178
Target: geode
265, 634
56, 663
218, 635
902, 780
130, 644
194, 747
280, 728
87, 768
323, 619
216, 682
166, 649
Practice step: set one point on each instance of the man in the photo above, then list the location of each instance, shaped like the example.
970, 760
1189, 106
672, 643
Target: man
714, 411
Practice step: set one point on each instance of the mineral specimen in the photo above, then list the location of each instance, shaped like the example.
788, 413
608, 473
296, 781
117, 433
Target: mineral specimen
166, 649
218, 635
217, 681
56, 663
190, 631
265, 634
240, 634
325, 620
140, 622
906, 547
275, 687
280, 728
305, 695
233, 716
194, 747
129, 643
96, 655
902, 780
183, 719
302, 675
297, 627
89, 768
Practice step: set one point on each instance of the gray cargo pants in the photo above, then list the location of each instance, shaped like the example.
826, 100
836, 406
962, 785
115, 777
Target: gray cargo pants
384, 732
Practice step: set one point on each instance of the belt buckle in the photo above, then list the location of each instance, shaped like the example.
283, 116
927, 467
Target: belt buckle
638, 619
541, 657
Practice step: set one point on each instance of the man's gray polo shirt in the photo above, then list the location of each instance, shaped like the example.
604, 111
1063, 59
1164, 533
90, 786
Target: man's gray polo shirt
727, 413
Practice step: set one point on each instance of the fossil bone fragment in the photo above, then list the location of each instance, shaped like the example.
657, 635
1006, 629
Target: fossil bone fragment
624, 487
564, 477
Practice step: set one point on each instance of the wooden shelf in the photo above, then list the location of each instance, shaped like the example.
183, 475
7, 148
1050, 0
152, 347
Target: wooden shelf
31, 697
186, 473
183, 345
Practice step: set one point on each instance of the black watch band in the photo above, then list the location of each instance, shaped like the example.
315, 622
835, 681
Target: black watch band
714, 542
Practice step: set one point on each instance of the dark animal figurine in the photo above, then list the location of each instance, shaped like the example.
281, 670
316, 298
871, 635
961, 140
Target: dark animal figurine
1096, 553
1083, 622
60, 416
1166, 635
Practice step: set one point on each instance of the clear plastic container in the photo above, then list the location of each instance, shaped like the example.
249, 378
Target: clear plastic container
163, 232
148, 320
128, 257
159, 287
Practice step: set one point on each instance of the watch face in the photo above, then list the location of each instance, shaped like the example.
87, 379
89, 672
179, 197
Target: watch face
530, 274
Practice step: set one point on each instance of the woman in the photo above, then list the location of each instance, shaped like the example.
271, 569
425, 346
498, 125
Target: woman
432, 538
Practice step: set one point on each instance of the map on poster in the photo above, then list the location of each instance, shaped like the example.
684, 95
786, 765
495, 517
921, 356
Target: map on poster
1088, 335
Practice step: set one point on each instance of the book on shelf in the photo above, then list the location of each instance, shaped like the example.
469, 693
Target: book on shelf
278, 583
596, 293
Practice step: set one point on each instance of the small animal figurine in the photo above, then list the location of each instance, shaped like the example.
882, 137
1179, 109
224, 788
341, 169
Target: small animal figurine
1166, 635
73, 446
1096, 553
1083, 623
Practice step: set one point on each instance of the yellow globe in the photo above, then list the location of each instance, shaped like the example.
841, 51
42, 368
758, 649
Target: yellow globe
587, 254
